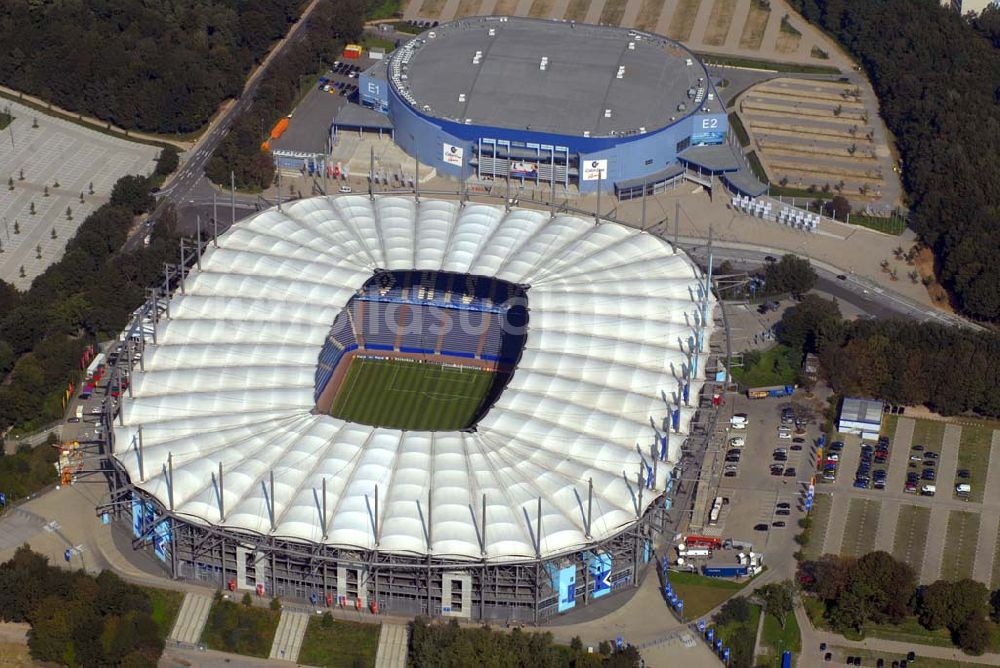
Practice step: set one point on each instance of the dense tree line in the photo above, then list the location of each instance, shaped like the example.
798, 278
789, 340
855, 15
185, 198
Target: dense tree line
77, 619
937, 77
91, 291
451, 646
876, 588
153, 66
951, 370
240, 152
27, 471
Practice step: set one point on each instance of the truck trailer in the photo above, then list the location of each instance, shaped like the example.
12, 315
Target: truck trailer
725, 571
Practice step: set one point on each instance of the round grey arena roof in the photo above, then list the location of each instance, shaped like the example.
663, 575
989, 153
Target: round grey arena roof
547, 76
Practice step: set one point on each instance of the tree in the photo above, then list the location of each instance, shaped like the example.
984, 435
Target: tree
973, 636
132, 193
791, 274
778, 599
247, 600
734, 611
167, 161
839, 207
810, 325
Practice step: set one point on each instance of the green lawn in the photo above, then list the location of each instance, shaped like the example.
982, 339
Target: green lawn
341, 644
894, 225
754, 63
729, 633
166, 605
961, 539
383, 9
773, 367
401, 394
889, 423
778, 640
234, 627
974, 455
702, 594
870, 657
928, 433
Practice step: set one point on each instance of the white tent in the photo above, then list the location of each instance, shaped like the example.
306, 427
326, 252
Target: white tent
612, 317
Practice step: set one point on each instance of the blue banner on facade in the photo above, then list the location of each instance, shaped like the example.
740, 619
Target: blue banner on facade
567, 588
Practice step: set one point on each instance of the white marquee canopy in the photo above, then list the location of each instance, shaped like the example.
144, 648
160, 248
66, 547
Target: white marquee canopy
612, 316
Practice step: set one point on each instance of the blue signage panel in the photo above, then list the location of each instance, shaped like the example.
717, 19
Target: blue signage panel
137, 517
161, 540
567, 588
600, 571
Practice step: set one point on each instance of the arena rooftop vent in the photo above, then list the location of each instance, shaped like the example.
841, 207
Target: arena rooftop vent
230, 386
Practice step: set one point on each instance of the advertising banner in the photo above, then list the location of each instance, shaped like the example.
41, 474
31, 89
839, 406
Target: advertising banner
600, 571
567, 588
524, 169
137, 517
594, 170
161, 540
452, 155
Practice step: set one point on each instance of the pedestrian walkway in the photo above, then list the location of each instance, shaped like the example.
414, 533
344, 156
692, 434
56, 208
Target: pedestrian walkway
288, 637
392, 644
191, 619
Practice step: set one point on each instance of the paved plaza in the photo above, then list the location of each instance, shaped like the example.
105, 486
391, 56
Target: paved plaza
65, 159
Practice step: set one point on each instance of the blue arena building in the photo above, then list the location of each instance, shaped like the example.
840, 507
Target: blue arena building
547, 103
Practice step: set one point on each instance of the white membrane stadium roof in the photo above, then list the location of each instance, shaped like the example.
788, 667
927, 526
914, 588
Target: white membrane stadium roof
613, 313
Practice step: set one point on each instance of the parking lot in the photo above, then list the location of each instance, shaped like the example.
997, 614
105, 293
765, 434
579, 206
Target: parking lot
945, 535
49, 169
766, 486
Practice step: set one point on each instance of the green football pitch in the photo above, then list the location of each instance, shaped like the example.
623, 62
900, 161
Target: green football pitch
409, 395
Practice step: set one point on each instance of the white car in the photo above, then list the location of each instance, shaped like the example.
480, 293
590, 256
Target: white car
345, 189
738, 425
785, 434
737, 442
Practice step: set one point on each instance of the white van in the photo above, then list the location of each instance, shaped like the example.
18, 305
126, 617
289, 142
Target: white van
928, 490
963, 489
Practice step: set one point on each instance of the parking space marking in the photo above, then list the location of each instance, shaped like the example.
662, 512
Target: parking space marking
948, 460
962, 538
837, 524
861, 527
886, 534
911, 536
934, 550
899, 455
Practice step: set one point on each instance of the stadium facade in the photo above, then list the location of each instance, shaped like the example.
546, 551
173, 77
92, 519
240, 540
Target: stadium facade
230, 475
547, 103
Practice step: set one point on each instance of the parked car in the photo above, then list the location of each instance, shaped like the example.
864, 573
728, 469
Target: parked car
931, 455
778, 524
784, 504
760, 527
790, 472
785, 512
737, 442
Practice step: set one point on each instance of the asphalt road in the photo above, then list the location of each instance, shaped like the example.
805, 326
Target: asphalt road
853, 290
189, 183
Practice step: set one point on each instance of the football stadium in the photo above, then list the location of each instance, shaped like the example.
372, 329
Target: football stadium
414, 406
549, 103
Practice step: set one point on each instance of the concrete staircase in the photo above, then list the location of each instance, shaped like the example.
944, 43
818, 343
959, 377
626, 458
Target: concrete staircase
392, 644
288, 637
191, 619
